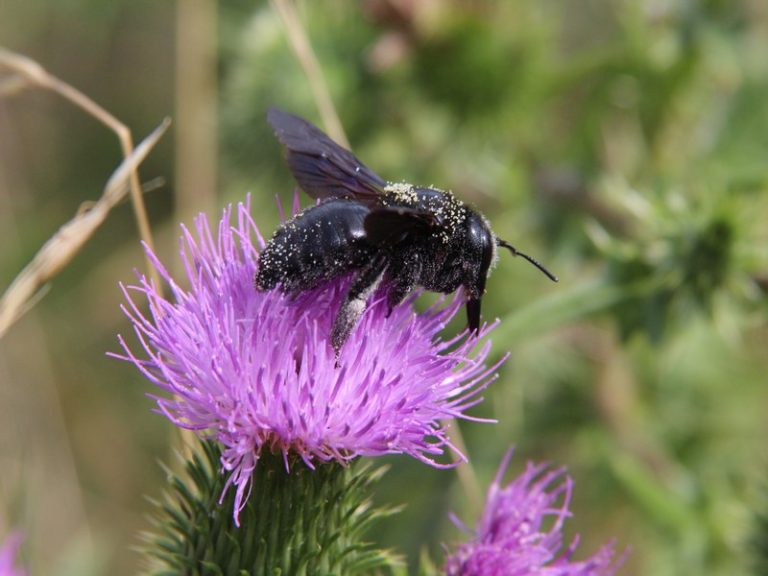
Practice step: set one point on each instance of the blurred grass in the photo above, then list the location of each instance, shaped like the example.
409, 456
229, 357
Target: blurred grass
622, 143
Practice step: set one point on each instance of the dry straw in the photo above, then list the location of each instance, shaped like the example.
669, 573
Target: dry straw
302, 49
18, 72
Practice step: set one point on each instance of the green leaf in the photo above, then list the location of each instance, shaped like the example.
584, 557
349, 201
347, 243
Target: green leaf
561, 307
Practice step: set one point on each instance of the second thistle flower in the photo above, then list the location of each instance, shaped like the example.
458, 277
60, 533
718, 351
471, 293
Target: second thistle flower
521, 531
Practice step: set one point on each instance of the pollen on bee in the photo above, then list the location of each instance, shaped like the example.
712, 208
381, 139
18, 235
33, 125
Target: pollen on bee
402, 192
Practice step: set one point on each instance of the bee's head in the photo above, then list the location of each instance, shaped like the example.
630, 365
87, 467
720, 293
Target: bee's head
480, 253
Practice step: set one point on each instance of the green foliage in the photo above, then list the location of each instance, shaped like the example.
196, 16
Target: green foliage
621, 143
302, 522
758, 543
675, 260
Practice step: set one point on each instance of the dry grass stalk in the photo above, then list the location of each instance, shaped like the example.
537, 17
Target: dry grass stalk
26, 72
62, 246
299, 41
466, 473
196, 117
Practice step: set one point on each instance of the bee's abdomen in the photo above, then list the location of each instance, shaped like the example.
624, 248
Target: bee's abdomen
320, 243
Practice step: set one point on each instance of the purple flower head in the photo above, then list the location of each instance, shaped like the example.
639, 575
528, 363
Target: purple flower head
511, 538
255, 370
8, 554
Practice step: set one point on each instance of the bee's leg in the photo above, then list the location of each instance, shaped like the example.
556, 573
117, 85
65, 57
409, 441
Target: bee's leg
397, 293
401, 284
398, 290
356, 300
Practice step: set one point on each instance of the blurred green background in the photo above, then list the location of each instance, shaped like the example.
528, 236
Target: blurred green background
623, 143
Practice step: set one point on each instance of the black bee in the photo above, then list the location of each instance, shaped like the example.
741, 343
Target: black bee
406, 235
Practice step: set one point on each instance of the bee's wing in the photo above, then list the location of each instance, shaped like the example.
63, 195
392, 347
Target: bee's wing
389, 225
322, 168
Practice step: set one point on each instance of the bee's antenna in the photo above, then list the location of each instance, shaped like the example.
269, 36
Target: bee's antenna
516, 252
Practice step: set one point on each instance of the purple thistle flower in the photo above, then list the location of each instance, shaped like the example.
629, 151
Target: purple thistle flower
510, 539
255, 370
8, 554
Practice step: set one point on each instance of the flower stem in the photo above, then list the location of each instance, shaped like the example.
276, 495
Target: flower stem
298, 522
